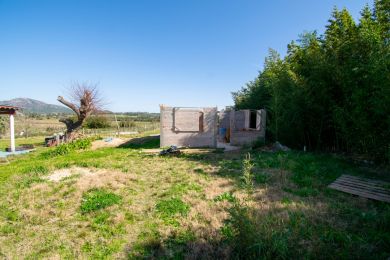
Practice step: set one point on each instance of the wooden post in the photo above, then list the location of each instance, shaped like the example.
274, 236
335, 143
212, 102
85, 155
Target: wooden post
57, 139
12, 131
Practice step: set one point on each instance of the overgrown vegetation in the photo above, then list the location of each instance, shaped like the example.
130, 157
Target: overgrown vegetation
331, 92
66, 148
133, 205
247, 175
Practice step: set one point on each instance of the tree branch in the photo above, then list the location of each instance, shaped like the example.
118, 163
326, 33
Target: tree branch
68, 122
69, 104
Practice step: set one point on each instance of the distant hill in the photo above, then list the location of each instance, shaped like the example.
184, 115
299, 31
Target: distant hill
35, 106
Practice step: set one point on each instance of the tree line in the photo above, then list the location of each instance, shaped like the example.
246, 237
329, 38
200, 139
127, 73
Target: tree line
331, 92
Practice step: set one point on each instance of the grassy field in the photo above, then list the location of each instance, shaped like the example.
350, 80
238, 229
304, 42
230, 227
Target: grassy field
33, 126
37, 141
125, 203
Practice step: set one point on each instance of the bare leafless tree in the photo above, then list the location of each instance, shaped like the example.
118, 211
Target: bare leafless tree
84, 99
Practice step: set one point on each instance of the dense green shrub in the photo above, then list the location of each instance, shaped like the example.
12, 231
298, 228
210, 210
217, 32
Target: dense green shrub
331, 92
95, 122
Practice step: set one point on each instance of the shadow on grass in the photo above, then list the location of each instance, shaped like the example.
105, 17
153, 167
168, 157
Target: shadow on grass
147, 142
178, 246
303, 214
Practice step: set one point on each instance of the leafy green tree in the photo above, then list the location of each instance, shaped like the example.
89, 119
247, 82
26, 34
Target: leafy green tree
331, 92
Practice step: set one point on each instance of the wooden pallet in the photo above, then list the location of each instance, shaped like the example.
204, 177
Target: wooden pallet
372, 189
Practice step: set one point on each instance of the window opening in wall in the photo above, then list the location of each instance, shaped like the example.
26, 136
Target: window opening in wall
252, 119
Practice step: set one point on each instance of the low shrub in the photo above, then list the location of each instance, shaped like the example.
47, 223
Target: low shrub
247, 175
66, 148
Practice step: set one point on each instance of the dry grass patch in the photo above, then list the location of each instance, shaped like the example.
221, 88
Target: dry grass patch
56, 207
114, 142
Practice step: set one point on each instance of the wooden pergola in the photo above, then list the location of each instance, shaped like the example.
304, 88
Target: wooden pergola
11, 111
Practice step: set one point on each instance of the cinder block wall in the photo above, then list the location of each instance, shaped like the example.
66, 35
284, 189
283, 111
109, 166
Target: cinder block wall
237, 120
224, 119
183, 131
240, 136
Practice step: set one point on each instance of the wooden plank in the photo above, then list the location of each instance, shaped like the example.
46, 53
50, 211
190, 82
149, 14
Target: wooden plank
362, 194
367, 188
363, 185
360, 190
366, 182
361, 182
375, 182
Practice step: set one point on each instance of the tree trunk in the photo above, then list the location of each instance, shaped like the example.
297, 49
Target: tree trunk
82, 113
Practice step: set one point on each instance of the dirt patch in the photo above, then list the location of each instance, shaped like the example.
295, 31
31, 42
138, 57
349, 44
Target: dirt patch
108, 142
61, 174
217, 187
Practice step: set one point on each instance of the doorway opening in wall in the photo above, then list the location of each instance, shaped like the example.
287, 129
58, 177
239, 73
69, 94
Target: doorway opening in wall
252, 119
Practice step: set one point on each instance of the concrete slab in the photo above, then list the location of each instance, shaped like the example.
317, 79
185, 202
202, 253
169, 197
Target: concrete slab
228, 147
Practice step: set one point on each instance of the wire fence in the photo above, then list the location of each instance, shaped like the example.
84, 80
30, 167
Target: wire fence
27, 126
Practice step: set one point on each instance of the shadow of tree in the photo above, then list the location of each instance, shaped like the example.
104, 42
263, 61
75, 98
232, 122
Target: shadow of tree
292, 214
175, 247
147, 142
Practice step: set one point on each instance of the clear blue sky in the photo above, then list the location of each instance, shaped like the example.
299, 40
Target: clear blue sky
146, 53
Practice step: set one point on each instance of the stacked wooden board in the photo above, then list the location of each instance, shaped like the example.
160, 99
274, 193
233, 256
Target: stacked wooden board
367, 188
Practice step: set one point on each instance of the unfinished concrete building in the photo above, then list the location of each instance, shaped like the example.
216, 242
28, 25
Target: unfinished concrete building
188, 127
242, 127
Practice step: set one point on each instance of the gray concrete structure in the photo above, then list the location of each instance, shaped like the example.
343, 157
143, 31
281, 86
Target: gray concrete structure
188, 127
246, 126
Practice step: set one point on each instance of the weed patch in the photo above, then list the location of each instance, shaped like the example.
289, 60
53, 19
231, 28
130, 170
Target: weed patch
168, 209
96, 199
64, 149
247, 175
227, 196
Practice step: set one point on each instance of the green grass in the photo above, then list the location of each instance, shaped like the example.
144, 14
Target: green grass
227, 196
147, 142
66, 148
37, 141
96, 199
144, 206
170, 209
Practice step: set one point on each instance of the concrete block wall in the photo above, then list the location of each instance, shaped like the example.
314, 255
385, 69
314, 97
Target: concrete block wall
237, 120
240, 134
188, 127
224, 119
240, 138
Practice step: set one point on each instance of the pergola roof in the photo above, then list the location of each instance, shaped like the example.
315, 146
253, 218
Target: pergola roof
8, 110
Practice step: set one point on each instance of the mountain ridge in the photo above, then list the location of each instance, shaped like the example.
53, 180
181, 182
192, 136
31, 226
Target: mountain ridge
30, 105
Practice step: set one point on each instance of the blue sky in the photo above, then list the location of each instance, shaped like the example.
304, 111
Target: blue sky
146, 53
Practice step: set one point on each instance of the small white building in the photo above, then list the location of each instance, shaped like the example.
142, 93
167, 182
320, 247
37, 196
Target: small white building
11, 111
